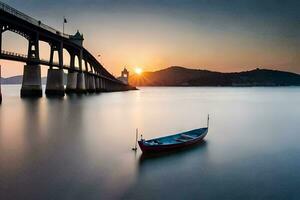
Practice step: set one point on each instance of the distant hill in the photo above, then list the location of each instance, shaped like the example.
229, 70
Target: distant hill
12, 80
180, 76
17, 80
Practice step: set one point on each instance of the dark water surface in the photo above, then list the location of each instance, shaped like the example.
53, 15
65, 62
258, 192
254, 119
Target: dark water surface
80, 147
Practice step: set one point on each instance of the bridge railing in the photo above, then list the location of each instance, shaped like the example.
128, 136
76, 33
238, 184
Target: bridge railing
46, 62
20, 55
9, 53
29, 19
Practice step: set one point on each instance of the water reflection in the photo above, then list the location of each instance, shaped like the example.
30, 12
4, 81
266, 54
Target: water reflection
79, 147
174, 154
153, 162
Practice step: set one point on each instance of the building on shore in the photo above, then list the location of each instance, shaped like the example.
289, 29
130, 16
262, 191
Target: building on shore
124, 76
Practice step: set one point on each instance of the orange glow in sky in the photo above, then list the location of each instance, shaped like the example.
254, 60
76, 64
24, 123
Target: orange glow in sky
138, 70
213, 36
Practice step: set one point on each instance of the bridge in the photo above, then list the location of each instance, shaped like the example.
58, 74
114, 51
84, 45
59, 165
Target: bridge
89, 76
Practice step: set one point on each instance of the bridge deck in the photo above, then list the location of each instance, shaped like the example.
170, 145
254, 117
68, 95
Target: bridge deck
7, 55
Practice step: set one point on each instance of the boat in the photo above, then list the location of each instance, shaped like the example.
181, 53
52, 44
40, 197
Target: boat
173, 142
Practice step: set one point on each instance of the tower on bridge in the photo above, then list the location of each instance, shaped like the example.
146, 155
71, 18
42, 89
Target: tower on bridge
77, 38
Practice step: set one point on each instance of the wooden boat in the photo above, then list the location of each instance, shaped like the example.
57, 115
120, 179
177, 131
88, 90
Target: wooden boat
173, 142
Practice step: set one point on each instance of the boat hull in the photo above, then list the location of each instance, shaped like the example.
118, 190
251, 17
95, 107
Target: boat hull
171, 147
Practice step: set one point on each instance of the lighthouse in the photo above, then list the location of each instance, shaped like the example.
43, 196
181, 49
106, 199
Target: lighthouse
124, 76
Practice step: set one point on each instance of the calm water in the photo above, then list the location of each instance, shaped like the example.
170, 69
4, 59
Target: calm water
80, 147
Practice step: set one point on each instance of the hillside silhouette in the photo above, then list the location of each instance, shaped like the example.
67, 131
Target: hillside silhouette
180, 76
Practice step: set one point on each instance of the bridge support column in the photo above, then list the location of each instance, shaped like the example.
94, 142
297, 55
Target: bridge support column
103, 85
86, 79
110, 86
81, 87
100, 85
97, 83
72, 82
115, 87
107, 86
32, 83
91, 80
55, 83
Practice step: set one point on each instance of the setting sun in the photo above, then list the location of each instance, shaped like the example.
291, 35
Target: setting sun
138, 70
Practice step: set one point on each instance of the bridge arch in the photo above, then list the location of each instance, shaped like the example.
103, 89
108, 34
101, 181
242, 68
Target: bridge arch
77, 62
92, 68
88, 66
8, 45
84, 65
44, 50
66, 57
10, 28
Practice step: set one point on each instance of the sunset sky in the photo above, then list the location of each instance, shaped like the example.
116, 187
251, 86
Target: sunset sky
221, 35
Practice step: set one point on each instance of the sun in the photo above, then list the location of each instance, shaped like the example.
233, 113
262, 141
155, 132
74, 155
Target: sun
138, 70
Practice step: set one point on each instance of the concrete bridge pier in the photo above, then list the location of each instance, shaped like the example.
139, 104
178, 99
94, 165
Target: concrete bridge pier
71, 82
108, 86
81, 87
32, 83
100, 85
101, 81
92, 87
86, 79
55, 83
97, 84
115, 87
105, 89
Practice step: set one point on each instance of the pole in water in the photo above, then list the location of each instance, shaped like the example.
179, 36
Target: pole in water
207, 120
136, 139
